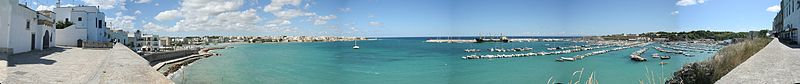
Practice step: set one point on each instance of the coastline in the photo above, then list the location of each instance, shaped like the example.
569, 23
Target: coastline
174, 67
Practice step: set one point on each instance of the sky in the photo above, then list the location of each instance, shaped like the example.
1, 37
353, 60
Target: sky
409, 18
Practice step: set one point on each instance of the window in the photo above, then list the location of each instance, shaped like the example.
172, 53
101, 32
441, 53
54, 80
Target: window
66, 19
98, 23
80, 19
28, 25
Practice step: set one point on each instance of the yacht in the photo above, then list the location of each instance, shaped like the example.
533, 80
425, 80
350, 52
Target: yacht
356, 45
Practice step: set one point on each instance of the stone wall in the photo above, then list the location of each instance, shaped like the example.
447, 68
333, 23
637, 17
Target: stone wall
4, 52
98, 44
169, 55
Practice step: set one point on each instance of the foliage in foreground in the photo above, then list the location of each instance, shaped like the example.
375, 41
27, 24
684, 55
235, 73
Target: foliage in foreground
711, 70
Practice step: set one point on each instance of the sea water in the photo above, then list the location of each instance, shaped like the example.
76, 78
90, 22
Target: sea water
412, 61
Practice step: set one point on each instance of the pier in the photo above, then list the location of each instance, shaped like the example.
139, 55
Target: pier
637, 56
578, 57
490, 56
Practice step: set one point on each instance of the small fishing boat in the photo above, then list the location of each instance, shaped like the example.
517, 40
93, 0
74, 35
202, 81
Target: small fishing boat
637, 58
655, 55
472, 50
665, 57
562, 59
690, 55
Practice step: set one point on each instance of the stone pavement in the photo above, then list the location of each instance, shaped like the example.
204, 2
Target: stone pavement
775, 64
69, 65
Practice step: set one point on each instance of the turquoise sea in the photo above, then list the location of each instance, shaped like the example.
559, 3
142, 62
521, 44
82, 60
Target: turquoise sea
411, 61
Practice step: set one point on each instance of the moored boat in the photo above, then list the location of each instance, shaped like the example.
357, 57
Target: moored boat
664, 57
655, 55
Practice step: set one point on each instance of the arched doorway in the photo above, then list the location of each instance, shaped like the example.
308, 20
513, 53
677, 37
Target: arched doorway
46, 40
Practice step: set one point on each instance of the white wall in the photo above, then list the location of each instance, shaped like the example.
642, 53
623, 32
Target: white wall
20, 37
89, 19
792, 17
5, 13
69, 36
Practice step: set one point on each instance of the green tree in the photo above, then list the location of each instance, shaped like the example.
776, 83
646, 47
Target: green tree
63, 24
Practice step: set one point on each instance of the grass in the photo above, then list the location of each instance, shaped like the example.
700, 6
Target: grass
733, 55
727, 58
573, 80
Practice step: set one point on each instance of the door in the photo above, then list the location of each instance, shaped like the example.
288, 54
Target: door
33, 42
46, 40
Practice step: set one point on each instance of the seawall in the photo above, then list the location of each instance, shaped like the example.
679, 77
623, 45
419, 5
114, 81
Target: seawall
162, 56
774, 64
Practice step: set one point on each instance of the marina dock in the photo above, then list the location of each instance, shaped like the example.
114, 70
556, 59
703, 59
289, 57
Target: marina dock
490, 56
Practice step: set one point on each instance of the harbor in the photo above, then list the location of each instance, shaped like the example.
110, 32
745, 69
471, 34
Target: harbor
428, 61
678, 48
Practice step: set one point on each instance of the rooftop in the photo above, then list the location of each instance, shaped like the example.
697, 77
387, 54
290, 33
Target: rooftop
70, 65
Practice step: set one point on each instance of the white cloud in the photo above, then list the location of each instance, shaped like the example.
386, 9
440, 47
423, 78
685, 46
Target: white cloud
285, 11
675, 13
774, 8
689, 2
151, 27
43, 7
209, 7
156, 4
106, 4
320, 20
167, 15
137, 12
228, 21
375, 24
224, 15
69, 5
345, 9
142, 1
118, 14
121, 22
277, 5
371, 16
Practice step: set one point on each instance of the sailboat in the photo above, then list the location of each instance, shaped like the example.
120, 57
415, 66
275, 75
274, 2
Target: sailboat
355, 46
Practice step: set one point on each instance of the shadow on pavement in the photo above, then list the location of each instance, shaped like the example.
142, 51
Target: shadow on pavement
789, 43
34, 57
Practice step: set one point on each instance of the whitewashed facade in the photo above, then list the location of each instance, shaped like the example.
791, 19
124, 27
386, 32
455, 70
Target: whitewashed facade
150, 43
790, 11
119, 36
133, 40
89, 25
23, 29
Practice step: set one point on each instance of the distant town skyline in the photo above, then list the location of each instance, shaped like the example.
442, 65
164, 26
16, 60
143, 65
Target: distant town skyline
405, 18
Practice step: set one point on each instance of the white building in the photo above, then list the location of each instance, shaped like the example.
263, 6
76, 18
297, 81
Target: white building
133, 40
88, 25
119, 36
23, 29
790, 20
150, 43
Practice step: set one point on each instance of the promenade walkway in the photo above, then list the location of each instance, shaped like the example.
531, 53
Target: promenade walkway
65, 65
774, 64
